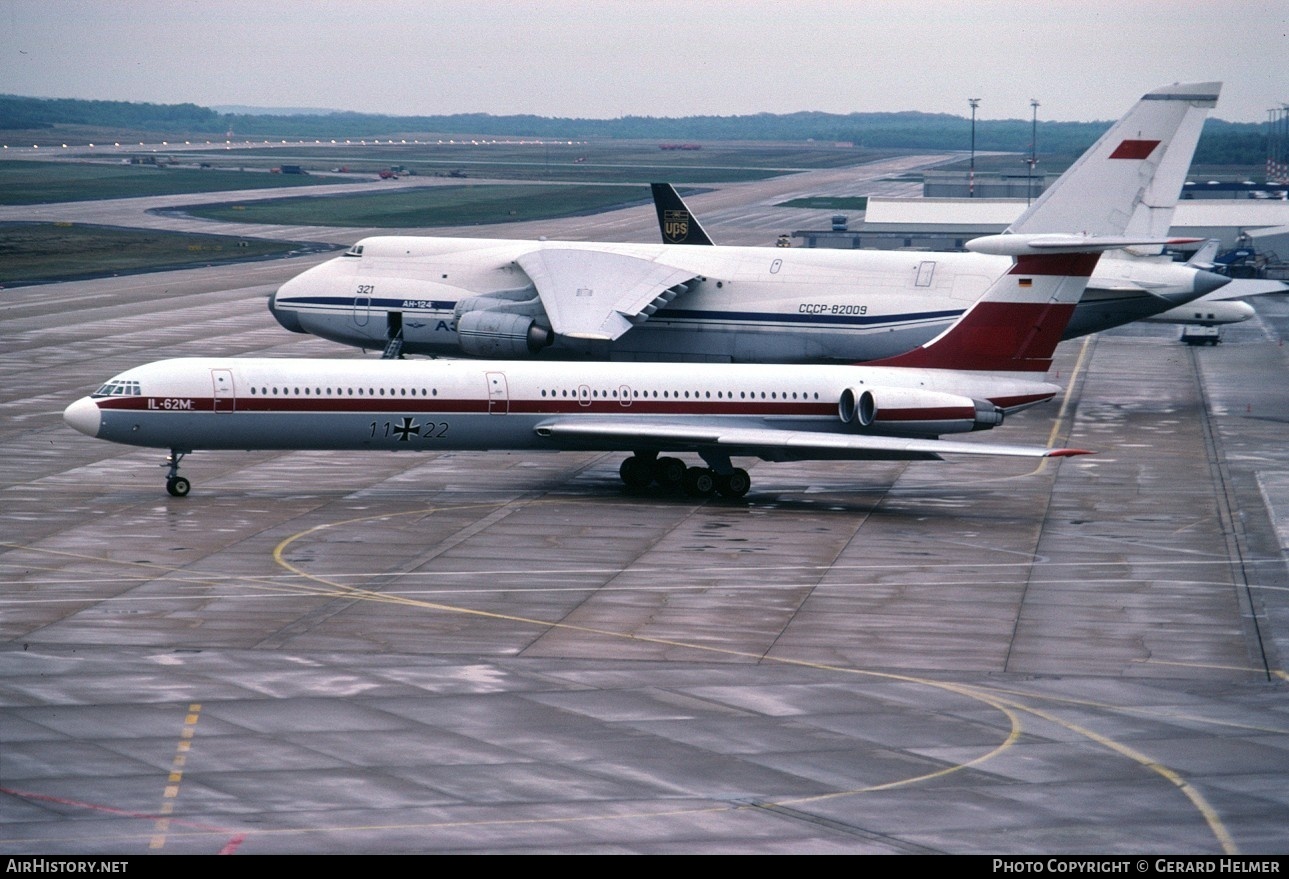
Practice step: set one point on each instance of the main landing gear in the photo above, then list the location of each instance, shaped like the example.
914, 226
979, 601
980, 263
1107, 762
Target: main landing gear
644, 469
177, 485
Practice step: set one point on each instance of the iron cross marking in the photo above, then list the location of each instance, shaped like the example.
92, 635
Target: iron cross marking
407, 429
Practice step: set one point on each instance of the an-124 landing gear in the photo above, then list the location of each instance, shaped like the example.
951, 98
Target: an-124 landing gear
644, 469
177, 485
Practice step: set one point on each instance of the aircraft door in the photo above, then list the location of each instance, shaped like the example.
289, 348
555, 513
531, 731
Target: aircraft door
362, 306
926, 271
225, 398
498, 395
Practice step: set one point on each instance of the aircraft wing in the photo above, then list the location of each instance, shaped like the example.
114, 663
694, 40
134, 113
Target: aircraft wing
770, 444
591, 294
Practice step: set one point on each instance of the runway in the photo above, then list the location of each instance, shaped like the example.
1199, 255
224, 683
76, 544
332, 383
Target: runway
505, 653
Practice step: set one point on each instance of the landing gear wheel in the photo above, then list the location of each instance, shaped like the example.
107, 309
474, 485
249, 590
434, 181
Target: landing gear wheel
176, 484
669, 472
636, 472
734, 484
699, 482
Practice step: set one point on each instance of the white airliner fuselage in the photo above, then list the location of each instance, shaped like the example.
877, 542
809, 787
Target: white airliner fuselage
480, 404
772, 412
454, 297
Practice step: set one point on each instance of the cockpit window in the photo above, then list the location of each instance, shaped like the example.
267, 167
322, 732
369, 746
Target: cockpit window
119, 388
356, 250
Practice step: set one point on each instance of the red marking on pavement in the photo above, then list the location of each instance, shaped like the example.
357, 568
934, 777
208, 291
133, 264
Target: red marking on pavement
235, 840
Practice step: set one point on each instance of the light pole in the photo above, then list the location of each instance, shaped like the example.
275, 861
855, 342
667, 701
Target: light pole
1033, 151
971, 180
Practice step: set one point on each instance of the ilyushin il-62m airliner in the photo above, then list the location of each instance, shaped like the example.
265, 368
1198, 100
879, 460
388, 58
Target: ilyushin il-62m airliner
515, 299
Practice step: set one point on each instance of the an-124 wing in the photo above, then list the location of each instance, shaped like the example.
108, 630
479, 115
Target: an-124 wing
593, 294
775, 445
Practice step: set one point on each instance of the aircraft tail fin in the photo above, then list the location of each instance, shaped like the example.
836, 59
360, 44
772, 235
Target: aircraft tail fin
1095, 206
677, 224
1016, 325
1206, 257
1129, 181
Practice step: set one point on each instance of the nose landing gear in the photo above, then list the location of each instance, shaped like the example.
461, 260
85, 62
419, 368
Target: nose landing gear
176, 485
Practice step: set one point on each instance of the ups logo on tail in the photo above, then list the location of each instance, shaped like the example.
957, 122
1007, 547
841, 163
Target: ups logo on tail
675, 225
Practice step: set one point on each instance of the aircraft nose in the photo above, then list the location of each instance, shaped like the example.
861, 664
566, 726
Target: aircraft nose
83, 415
1207, 282
287, 317
1243, 310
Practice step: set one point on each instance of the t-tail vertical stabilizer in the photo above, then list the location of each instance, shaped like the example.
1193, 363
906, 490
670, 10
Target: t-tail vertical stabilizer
1057, 242
1016, 325
1129, 181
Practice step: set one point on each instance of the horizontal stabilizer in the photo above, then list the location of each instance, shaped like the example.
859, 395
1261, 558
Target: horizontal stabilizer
1031, 245
1239, 288
1267, 232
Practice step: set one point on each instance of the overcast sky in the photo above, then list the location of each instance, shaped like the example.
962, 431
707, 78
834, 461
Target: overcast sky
1080, 59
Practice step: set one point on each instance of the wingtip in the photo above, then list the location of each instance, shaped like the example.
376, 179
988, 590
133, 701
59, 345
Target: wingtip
1068, 453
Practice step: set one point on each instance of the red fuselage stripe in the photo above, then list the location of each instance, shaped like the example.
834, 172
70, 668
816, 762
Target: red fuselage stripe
440, 406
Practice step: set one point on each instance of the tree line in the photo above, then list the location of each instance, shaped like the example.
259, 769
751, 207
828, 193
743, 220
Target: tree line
1222, 143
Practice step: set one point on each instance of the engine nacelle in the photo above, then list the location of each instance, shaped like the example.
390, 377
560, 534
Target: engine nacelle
501, 334
915, 412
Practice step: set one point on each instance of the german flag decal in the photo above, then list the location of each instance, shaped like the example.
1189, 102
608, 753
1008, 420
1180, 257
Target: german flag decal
1134, 149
